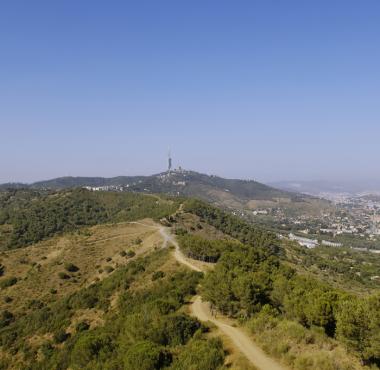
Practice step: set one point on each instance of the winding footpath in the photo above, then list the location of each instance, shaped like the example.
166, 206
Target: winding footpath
202, 311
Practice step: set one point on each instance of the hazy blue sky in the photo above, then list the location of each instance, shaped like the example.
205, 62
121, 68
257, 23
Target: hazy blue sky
256, 89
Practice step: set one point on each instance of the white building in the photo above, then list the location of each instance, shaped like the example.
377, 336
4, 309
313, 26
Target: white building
331, 244
305, 242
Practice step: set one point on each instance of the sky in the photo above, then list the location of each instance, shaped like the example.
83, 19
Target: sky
266, 90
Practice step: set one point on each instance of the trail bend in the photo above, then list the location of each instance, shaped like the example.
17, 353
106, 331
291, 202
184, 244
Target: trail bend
202, 311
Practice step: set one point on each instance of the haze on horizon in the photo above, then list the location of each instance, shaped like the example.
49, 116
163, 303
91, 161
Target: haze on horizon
246, 89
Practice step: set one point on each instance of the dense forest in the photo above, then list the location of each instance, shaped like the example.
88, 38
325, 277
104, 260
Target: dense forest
36, 215
202, 249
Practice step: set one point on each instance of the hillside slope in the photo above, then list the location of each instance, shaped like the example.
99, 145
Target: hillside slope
234, 194
29, 216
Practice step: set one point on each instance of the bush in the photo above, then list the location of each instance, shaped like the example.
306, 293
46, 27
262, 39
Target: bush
180, 231
123, 253
178, 329
158, 275
8, 282
131, 254
108, 269
138, 241
60, 336
6, 318
146, 356
62, 275
82, 326
264, 320
70, 267
35, 304
201, 354
47, 349
90, 346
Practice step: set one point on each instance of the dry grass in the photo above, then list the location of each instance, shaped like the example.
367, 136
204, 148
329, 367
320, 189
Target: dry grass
300, 348
37, 267
192, 223
235, 359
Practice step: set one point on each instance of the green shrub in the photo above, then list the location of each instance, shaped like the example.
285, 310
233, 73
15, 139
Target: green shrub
62, 275
47, 349
108, 269
158, 275
146, 356
70, 267
91, 346
8, 282
137, 241
6, 318
82, 326
60, 336
178, 329
131, 254
180, 231
200, 354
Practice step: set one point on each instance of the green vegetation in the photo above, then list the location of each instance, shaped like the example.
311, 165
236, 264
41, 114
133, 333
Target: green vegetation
205, 250
135, 320
7, 282
62, 275
298, 347
251, 282
246, 281
158, 275
232, 225
145, 330
70, 267
130, 254
6, 318
34, 216
108, 269
346, 267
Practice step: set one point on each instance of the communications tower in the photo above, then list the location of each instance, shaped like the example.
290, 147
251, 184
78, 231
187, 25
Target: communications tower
169, 161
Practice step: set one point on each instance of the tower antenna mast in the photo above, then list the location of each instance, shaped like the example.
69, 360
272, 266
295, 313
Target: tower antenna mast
169, 161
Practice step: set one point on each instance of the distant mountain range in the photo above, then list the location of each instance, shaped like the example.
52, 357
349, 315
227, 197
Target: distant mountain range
321, 188
229, 193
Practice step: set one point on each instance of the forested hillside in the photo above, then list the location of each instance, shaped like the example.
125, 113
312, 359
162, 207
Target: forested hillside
144, 331
29, 216
123, 311
227, 193
253, 282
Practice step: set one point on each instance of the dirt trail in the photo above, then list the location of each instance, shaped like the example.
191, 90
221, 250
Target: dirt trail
168, 238
242, 341
202, 311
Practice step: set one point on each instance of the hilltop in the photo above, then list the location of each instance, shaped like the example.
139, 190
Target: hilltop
233, 194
